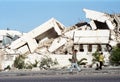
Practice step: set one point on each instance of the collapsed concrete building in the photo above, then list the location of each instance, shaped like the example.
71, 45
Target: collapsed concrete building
52, 37
39, 36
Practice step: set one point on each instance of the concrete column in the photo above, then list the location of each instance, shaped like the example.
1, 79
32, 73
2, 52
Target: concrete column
32, 45
94, 48
92, 23
85, 47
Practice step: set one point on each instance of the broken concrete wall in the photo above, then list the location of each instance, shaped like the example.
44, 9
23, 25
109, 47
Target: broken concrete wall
63, 60
97, 18
91, 37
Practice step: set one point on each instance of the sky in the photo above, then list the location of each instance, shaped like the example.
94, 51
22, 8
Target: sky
25, 15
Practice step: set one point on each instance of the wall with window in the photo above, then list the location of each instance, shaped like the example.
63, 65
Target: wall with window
86, 50
91, 47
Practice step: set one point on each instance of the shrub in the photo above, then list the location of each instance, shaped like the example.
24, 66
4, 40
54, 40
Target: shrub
8, 67
95, 57
47, 62
19, 62
31, 65
80, 62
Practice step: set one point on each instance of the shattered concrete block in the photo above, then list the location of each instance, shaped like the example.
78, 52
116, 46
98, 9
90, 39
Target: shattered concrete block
57, 43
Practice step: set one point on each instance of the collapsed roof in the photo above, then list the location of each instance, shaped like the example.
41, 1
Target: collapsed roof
99, 19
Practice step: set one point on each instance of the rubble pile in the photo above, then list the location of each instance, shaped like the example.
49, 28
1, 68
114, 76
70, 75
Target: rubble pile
52, 37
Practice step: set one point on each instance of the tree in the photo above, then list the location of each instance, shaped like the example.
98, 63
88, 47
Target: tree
115, 56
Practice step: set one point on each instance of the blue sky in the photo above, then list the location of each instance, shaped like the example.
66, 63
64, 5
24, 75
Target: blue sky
25, 15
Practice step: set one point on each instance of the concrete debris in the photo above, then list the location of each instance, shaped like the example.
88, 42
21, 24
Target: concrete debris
57, 43
101, 33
